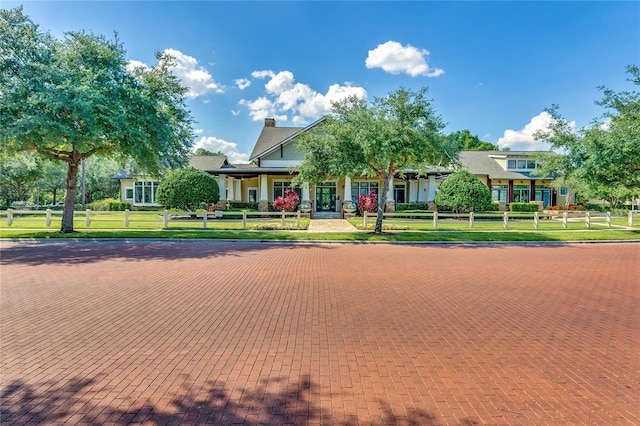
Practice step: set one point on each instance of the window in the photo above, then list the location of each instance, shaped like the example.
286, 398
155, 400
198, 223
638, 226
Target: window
144, 192
499, 193
563, 191
521, 164
128, 193
253, 195
362, 188
280, 186
520, 194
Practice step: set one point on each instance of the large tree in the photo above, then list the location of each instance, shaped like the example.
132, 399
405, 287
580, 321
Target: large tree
18, 176
606, 155
381, 139
68, 99
468, 142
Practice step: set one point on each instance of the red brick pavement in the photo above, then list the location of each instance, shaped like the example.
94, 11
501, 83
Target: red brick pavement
249, 333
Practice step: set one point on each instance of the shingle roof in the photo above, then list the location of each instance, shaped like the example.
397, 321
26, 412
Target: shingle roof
481, 163
270, 137
208, 162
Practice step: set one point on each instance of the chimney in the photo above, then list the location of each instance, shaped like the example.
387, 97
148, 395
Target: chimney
269, 122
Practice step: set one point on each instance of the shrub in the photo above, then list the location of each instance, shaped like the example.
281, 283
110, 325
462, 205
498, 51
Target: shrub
524, 207
368, 203
288, 202
411, 206
461, 192
187, 189
108, 204
242, 205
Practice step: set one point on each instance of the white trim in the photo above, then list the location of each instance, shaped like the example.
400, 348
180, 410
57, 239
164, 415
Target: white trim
280, 163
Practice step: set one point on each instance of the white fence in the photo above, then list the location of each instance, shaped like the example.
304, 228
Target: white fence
164, 217
535, 218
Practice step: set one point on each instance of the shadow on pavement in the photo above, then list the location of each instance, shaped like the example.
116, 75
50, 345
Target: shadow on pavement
51, 402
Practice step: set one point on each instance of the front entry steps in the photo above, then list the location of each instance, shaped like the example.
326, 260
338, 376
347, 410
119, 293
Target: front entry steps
327, 215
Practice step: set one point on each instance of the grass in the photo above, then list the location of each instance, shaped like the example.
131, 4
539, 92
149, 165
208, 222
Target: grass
150, 225
407, 236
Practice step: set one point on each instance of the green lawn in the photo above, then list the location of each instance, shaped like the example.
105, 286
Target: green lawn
151, 225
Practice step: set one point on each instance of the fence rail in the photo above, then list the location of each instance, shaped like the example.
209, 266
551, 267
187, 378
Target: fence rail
162, 219
506, 218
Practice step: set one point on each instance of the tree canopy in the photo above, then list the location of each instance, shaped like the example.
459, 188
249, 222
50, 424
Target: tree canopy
68, 99
381, 139
605, 156
465, 141
187, 189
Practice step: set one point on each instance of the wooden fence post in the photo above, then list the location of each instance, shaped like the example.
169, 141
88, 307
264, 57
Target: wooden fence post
204, 219
48, 217
505, 220
9, 217
435, 220
88, 218
587, 219
565, 220
608, 219
166, 218
282, 223
364, 221
630, 220
298, 221
126, 218
471, 219
244, 218
536, 220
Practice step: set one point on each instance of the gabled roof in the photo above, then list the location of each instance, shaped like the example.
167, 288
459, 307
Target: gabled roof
483, 163
273, 137
208, 163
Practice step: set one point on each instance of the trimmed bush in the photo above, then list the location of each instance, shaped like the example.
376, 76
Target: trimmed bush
462, 192
524, 207
187, 189
242, 205
411, 206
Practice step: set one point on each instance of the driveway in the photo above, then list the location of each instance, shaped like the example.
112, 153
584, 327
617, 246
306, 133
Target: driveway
198, 332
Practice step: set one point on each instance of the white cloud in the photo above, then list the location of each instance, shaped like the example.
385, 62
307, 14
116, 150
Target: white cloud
230, 149
262, 74
523, 139
133, 64
235, 113
198, 131
395, 58
242, 83
262, 108
193, 76
284, 96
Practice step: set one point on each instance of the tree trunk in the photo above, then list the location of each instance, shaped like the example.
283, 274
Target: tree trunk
70, 198
382, 203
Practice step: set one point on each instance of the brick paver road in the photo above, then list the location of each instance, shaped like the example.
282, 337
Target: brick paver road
250, 333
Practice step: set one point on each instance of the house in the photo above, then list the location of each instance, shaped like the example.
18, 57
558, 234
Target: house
270, 173
511, 176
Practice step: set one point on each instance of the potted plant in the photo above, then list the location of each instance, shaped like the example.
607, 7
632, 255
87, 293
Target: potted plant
349, 206
304, 207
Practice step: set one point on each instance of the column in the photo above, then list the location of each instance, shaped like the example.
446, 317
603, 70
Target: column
421, 190
347, 189
532, 190
412, 191
222, 186
510, 196
231, 189
263, 204
391, 202
238, 190
432, 188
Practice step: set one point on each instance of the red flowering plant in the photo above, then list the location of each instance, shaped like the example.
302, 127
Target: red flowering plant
288, 202
368, 202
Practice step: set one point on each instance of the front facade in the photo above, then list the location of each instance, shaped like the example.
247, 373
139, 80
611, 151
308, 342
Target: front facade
511, 176
275, 155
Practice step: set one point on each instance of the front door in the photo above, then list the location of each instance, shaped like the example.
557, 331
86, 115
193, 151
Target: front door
326, 197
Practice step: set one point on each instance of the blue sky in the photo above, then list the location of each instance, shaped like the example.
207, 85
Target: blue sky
491, 67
